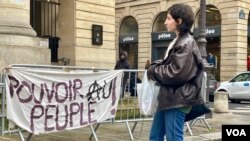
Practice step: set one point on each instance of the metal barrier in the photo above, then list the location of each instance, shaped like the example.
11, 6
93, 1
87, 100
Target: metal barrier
128, 107
3, 93
2, 114
203, 93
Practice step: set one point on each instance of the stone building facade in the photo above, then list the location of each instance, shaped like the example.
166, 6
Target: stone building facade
227, 31
75, 30
132, 25
27, 27
18, 41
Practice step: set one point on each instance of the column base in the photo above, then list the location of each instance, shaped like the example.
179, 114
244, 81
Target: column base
23, 50
17, 30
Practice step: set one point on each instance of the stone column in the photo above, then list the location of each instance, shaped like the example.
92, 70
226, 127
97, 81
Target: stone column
18, 41
15, 18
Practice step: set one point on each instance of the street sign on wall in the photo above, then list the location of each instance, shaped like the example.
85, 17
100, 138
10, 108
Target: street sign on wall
97, 34
211, 31
162, 36
128, 39
241, 14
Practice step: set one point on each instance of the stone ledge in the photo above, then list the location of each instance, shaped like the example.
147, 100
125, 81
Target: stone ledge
16, 30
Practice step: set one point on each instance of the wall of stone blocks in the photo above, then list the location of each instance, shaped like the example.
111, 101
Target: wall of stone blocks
85, 13
233, 29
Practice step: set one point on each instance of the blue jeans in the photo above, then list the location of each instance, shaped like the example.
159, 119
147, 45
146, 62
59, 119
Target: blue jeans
170, 123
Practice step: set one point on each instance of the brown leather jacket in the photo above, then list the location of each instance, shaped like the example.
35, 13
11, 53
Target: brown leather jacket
179, 75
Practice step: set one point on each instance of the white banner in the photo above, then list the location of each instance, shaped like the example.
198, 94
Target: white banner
46, 100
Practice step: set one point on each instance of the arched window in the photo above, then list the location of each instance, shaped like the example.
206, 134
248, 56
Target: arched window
159, 23
213, 16
129, 26
128, 40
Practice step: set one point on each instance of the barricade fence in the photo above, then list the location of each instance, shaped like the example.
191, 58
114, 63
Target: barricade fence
128, 110
7, 126
128, 107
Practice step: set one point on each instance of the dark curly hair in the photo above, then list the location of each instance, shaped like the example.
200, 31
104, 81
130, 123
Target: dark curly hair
185, 13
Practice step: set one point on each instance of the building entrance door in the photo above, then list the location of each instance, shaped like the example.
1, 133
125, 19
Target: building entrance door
158, 53
132, 50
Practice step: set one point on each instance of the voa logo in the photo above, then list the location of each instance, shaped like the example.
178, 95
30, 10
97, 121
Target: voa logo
236, 132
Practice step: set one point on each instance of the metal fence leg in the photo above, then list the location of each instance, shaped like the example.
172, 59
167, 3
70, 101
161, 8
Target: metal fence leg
189, 129
29, 137
97, 126
204, 120
134, 126
193, 122
3, 114
200, 118
129, 130
21, 135
2, 124
93, 132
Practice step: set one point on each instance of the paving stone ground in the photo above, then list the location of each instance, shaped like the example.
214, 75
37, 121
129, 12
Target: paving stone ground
119, 132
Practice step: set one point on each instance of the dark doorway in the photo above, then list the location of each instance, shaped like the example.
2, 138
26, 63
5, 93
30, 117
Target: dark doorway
160, 37
213, 36
128, 40
43, 21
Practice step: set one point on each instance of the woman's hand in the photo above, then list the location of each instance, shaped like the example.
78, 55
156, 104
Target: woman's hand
150, 72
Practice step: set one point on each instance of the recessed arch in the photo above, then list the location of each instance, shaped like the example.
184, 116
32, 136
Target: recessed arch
128, 39
213, 35
160, 37
129, 25
158, 24
213, 16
